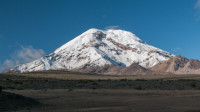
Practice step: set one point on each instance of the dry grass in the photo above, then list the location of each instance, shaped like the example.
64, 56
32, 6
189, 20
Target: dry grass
71, 80
65, 75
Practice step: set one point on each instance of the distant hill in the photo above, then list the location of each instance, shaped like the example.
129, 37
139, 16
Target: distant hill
179, 65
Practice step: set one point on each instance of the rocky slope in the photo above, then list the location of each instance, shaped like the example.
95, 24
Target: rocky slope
98, 48
133, 69
178, 65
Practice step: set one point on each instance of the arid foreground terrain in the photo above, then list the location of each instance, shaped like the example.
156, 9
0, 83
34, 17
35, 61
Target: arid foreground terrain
55, 91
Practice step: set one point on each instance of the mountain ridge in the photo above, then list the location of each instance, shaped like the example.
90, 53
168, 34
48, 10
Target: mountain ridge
178, 65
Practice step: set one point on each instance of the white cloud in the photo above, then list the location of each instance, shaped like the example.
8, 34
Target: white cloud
197, 9
27, 54
111, 27
197, 5
21, 56
8, 63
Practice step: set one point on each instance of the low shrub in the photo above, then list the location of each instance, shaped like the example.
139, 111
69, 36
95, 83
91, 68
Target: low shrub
1, 88
140, 80
193, 84
138, 88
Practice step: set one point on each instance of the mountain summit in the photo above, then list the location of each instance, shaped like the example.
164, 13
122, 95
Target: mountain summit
97, 48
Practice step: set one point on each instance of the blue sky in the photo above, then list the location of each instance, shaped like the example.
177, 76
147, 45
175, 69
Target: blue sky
30, 29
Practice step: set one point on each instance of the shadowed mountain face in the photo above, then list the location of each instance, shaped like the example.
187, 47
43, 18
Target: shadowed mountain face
178, 65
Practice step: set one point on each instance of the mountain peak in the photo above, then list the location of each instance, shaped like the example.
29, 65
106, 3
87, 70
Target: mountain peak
92, 30
117, 33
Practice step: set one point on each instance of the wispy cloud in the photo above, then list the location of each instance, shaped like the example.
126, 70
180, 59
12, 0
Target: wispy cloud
197, 5
111, 27
21, 56
176, 49
197, 9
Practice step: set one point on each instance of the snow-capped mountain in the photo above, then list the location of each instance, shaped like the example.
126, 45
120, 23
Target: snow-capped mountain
99, 48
